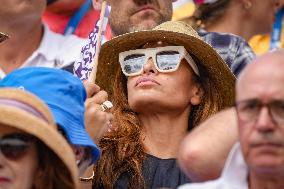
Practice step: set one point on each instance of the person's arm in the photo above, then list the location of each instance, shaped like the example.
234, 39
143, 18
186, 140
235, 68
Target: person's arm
203, 152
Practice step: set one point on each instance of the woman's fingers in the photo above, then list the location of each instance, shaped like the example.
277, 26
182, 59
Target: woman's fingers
97, 121
91, 88
98, 98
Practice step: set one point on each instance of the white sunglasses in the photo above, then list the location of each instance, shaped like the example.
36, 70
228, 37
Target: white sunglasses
166, 59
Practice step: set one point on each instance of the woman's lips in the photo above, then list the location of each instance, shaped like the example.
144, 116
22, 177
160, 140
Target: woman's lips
4, 179
143, 81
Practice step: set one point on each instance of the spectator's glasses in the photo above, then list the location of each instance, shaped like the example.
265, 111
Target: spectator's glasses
15, 146
166, 59
248, 110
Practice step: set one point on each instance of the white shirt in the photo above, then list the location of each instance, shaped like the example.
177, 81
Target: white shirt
234, 174
55, 50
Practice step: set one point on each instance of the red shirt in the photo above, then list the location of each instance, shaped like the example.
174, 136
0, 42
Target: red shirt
58, 23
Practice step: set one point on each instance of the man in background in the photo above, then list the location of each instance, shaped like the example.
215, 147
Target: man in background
134, 15
31, 43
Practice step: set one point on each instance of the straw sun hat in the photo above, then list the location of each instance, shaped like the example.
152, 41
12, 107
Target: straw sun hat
3, 37
176, 33
24, 111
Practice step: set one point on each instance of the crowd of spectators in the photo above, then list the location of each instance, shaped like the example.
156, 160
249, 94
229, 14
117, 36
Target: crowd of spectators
174, 104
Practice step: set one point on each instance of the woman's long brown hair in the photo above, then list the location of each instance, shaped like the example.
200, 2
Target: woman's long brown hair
122, 149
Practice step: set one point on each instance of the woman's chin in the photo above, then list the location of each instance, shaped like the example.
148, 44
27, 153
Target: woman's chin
144, 96
144, 104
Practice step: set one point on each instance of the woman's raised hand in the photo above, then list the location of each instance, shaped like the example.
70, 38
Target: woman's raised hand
98, 118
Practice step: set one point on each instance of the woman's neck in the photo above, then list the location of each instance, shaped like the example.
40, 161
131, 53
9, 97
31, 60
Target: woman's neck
162, 133
267, 181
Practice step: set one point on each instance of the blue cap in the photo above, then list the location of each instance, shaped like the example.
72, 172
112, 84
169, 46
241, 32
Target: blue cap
65, 95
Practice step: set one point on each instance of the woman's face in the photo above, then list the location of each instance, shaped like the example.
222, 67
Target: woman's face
19, 170
155, 91
263, 14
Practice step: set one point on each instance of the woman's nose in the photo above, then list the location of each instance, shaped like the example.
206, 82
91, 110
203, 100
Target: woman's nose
149, 67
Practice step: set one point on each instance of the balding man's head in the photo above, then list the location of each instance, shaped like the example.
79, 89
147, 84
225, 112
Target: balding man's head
260, 111
265, 70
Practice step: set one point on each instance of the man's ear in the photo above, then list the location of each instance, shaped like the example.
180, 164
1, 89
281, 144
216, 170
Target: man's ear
197, 94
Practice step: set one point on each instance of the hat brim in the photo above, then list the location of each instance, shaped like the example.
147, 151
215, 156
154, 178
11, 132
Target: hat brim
20, 119
218, 70
75, 133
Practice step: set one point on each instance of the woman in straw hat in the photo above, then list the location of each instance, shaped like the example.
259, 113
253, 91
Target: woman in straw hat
33, 155
165, 82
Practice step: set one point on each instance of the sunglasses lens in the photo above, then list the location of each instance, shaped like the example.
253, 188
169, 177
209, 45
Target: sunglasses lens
168, 60
133, 63
13, 148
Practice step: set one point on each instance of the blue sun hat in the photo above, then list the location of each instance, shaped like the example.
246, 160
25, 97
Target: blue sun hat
64, 94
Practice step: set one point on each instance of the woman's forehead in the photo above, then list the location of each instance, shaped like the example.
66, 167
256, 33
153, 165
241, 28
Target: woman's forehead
5, 129
156, 44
